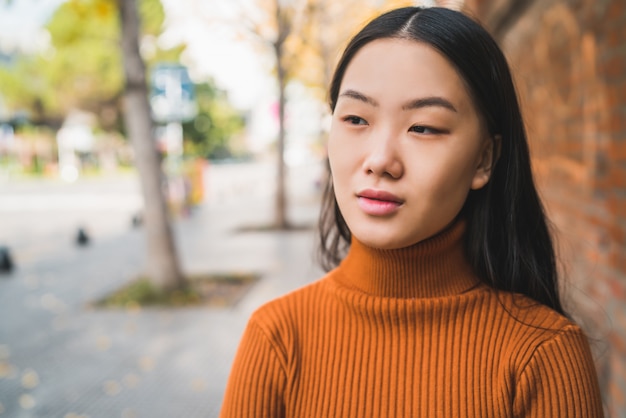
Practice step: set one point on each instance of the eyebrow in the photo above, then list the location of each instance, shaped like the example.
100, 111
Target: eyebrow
429, 101
412, 104
353, 94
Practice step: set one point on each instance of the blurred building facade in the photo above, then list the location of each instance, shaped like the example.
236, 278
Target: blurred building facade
569, 62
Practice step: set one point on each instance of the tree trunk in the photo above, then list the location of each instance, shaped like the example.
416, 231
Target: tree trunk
281, 194
163, 266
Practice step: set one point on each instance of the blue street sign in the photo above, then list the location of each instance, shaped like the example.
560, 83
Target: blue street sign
172, 94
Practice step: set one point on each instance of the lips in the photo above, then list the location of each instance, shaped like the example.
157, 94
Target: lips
378, 202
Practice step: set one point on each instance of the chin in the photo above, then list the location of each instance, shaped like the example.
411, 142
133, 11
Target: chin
383, 242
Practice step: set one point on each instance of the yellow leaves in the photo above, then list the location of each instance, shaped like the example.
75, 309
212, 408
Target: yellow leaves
103, 9
312, 51
77, 6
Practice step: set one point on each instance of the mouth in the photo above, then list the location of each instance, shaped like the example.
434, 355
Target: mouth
378, 202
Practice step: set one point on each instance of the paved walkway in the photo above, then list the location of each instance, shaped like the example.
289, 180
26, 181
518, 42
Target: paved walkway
60, 358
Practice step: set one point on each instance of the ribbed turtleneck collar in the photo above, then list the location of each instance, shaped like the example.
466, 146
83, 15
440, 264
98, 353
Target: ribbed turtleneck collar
432, 268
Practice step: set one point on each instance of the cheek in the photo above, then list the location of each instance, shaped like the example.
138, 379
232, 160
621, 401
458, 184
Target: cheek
340, 159
453, 188
339, 155
445, 178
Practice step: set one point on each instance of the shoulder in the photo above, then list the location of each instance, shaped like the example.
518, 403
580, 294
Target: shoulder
535, 330
552, 368
281, 322
284, 313
530, 314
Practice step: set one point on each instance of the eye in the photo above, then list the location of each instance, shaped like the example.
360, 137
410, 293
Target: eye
420, 129
355, 120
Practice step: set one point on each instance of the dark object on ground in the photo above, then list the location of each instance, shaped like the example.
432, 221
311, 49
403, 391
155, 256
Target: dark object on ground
6, 262
82, 239
137, 220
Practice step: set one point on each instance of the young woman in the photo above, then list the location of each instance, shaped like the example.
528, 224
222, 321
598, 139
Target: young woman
446, 303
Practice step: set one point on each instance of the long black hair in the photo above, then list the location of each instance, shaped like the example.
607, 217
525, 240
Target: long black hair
507, 242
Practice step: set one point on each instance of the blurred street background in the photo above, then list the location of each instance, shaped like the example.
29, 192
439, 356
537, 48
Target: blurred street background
63, 358
168, 139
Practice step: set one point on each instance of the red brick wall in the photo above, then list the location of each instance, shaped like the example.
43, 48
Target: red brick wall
569, 61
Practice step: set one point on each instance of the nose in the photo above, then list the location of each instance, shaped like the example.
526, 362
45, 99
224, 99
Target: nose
383, 158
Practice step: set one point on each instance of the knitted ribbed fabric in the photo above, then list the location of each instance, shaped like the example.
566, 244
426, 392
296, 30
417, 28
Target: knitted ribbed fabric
410, 333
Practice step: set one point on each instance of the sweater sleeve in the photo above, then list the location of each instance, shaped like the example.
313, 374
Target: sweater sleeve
257, 379
560, 380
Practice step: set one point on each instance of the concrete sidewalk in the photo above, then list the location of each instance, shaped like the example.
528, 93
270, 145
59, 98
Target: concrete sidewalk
59, 358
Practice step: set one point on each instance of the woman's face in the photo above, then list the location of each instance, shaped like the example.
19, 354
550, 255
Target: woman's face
406, 144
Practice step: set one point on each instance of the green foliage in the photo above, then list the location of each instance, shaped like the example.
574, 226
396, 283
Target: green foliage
210, 132
152, 16
144, 293
83, 68
212, 290
22, 84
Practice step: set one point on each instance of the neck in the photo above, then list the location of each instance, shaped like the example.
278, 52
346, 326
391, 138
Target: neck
434, 267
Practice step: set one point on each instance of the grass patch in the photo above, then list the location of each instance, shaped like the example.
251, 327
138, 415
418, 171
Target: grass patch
271, 227
215, 290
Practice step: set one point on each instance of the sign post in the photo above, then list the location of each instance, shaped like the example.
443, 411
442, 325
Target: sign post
173, 101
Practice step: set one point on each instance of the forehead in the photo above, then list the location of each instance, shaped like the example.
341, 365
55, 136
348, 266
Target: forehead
396, 70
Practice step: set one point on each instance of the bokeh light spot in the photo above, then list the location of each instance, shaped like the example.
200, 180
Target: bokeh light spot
198, 385
146, 363
27, 401
30, 379
103, 343
129, 413
131, 380
111, 387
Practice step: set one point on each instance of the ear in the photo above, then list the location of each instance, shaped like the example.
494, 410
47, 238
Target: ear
488, 157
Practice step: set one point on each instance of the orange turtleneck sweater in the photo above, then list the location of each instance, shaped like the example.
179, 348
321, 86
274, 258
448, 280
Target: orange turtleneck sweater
410, 333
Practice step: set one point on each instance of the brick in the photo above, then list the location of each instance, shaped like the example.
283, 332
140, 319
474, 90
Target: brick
573, 85
614, 38
617, 177
614, 67
618, 150
615, 10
